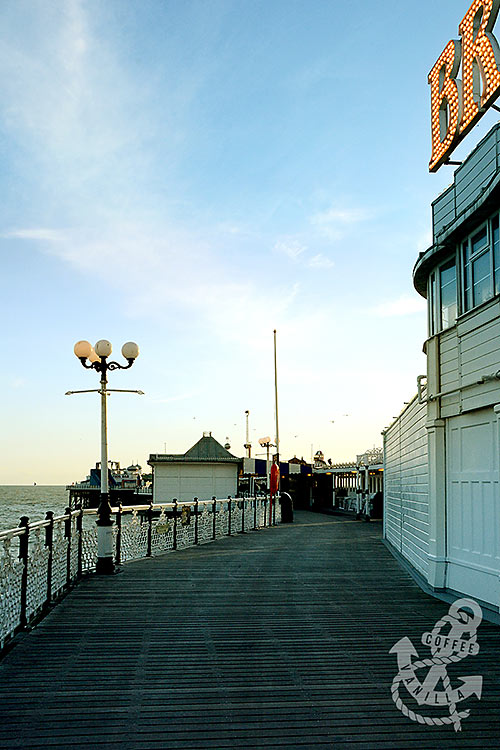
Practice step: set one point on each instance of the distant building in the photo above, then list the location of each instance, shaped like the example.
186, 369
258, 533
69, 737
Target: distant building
205, 470
319, 460
354, 482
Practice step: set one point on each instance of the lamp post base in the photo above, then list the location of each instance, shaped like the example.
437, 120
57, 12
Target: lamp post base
105, 566
105, 563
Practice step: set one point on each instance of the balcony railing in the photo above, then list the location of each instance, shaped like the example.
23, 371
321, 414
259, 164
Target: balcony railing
40, 562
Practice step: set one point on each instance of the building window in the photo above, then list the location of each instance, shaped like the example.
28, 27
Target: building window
448, 294
455, 288
443, 307
432, 304
478, 268
496, 253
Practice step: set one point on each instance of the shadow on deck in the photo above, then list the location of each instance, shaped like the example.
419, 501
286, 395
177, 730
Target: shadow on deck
273, 639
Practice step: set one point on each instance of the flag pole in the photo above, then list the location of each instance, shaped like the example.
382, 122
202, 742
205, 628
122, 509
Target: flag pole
276, 402
272, 497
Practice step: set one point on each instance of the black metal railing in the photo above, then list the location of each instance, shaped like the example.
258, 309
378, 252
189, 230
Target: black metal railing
40, 562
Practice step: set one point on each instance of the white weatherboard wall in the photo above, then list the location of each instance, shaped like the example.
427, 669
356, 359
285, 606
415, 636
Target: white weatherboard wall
468, 352
184, 481
406, 486
473, 509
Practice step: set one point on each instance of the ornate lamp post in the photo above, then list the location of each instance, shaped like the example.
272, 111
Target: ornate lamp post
98, 360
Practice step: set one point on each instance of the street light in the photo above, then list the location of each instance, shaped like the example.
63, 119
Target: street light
98, 359
265, 442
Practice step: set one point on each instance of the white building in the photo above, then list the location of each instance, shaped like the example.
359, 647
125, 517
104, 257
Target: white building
204, 471
441, 479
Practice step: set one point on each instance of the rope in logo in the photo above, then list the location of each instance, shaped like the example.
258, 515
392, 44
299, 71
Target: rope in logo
460, 623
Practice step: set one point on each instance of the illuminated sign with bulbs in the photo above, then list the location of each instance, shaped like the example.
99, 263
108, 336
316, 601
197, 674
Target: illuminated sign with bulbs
457, 105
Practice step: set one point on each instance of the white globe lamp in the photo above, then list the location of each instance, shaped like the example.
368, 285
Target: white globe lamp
130, 350
103, 348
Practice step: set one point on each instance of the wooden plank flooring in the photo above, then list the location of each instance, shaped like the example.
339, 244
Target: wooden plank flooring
273, 639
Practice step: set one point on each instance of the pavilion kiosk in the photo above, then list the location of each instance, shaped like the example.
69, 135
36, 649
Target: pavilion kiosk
206, 470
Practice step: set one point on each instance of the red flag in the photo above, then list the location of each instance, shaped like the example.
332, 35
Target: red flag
275, 479
274, 482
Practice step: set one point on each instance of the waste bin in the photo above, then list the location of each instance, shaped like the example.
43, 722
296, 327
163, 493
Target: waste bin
286, 503
377, 505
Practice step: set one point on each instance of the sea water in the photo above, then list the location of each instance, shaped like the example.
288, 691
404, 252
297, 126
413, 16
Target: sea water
30, 500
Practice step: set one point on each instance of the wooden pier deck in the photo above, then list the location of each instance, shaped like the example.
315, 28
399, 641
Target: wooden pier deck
273, 639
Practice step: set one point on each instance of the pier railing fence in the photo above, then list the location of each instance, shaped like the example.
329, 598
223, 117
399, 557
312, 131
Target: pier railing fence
40, 562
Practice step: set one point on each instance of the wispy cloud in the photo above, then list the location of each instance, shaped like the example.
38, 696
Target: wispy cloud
299, 253
79, 119
18, 382
50, 92
227, 227
320, 261
335, 222
290, 248
161, 271
84, 122
78, 112
405, 305
41, 234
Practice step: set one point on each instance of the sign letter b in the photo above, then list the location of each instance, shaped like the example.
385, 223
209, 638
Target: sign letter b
446, 110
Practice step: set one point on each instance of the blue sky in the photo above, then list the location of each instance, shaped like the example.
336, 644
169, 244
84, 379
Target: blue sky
192, 175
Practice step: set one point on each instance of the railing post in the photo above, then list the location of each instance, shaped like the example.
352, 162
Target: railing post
229, 513
214, 514
49, 538
175, 523
265, 511
23, 555
118, 519
79, 528
196, 504
149, 553
67, 534
243, 516
255, 514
